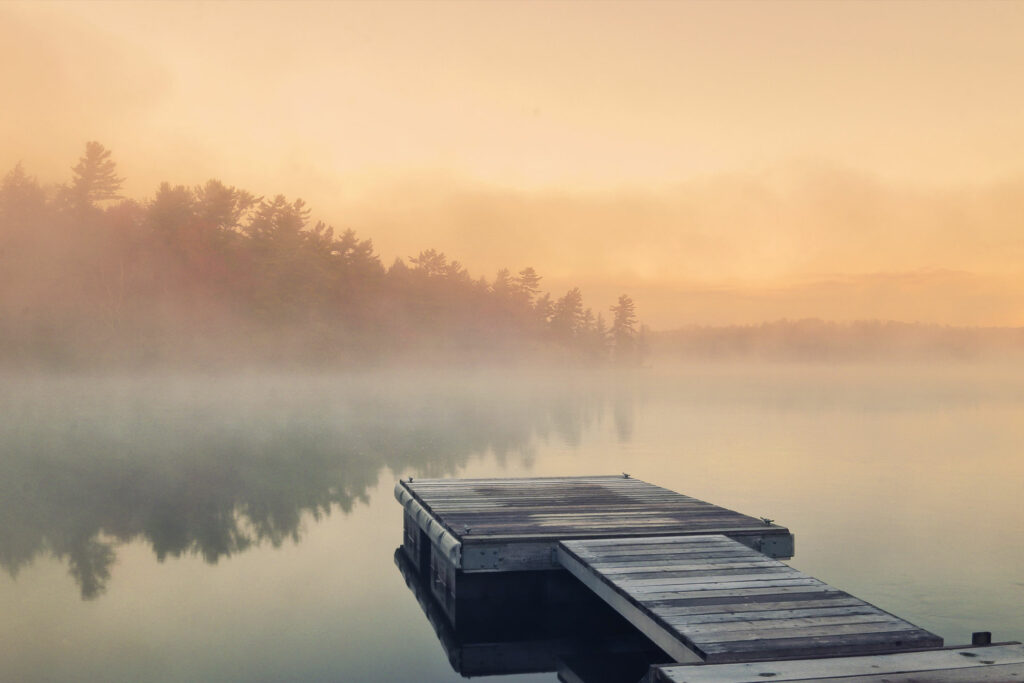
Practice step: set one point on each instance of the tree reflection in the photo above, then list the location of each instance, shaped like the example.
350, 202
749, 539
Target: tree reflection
215, 466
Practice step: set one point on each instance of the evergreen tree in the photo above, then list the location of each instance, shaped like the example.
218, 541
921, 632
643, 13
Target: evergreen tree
528, 285
278, 221
588, 322
398, 269
223, 207
543, 308
502, 286
601, 336
567, 319
430, 263
20, 195
95, 177
624, 329
171, 210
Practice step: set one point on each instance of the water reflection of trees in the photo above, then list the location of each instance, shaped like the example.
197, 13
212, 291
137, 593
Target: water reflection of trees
214, 466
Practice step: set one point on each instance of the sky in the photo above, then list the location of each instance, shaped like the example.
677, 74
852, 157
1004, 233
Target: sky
722, 162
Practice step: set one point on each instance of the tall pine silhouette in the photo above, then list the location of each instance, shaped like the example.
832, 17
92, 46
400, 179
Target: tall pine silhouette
95, 177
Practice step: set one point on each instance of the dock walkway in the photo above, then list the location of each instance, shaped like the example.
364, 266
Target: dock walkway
1000, 663
711, 599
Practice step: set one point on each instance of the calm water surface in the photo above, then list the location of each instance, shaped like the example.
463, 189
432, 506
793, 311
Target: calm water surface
242, 528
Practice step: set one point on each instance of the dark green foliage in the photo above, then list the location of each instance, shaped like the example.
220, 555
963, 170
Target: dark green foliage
212, 273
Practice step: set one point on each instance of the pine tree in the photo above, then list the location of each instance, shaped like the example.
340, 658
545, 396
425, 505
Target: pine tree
95, 177
624, 329
222, 207
528, 285
502, 286
543, 308
567, 319
20, 195
601, 337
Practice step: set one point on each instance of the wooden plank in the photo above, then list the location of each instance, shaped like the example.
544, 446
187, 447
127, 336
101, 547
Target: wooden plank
787, 625
731, 606
783, 631
820, 646
693, 575
666, 531
641, 556
623, 552
595, 545
682, 562
1003, 663
814, 588
731, 616
714, 566
988, 674
510, 517
695, 589
520, 480
637, 555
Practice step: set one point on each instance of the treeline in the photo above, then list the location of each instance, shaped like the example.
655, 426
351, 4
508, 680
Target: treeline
212, 274
819, 340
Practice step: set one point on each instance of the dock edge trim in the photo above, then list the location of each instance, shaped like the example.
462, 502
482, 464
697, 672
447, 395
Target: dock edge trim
442, 539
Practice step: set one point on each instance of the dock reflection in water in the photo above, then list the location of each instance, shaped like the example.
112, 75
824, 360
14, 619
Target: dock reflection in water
533, 622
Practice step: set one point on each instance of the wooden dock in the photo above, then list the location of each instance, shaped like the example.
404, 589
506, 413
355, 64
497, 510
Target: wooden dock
711, 599
514, 524
702, 583
1002, 663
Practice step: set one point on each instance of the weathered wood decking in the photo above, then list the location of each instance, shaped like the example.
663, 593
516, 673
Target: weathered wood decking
515, 524
711, 599
994, 663
703, 583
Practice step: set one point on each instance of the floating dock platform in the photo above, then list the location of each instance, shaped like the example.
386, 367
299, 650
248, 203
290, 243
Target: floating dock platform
503, 525
703, 584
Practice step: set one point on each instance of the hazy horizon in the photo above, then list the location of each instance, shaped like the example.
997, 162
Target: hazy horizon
260, 261
722, 163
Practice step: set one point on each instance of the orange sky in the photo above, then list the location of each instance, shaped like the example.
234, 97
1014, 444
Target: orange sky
724, 162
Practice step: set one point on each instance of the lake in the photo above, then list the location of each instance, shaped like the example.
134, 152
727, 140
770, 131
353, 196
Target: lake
242, 527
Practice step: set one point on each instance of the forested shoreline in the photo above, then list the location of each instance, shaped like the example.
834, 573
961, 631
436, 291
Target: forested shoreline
213, 275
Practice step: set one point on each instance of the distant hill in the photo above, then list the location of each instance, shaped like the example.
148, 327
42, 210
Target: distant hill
820, 340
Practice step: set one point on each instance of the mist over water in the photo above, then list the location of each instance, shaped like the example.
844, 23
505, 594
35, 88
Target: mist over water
525, 252
214, 466
241, 526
